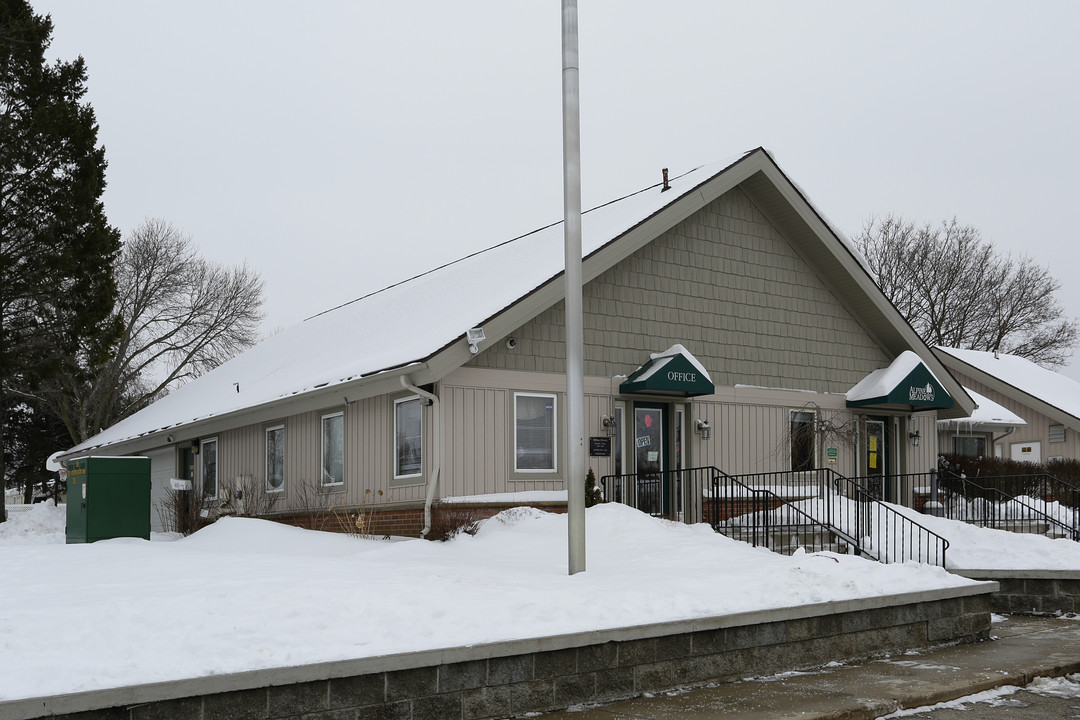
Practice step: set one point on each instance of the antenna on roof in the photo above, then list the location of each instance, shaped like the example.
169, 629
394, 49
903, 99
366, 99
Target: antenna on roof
667, 186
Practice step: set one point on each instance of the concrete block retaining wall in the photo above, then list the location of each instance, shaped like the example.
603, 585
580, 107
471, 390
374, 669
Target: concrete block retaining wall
511, 678
1029, 592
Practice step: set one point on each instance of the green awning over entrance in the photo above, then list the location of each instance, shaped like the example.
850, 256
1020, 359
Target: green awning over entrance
906, 384
672, 372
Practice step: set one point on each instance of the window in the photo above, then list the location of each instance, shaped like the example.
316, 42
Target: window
534, 432
802, 440
408, 438
275, 458
208, 465
970, 446
1057, 433
333, 449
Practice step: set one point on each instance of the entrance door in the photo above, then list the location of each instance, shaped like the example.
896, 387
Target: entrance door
876, 458
650, 437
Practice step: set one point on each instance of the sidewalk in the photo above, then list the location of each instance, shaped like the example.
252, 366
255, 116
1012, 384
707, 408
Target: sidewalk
1024, 648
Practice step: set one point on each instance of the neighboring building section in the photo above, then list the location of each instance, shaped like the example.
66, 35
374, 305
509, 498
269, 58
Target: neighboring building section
1047, 402
976, 436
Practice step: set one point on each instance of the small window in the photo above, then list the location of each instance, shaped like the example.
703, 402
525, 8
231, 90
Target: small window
969, 446
333, 449
275, 459
534, 432
802, 440
208, 465
1057, 433
408, 438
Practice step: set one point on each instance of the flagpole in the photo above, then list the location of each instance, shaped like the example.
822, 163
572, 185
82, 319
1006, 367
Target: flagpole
575, 370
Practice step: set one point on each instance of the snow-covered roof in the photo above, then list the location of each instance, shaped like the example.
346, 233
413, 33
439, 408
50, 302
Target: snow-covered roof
400, 325
881, 382
988, 414
1044, 385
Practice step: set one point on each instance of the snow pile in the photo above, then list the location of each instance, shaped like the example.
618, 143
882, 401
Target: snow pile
245, 594
978, 548
43, 523
970, 547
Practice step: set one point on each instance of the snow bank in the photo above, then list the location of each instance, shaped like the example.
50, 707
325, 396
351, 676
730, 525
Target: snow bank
247, 594
42, 524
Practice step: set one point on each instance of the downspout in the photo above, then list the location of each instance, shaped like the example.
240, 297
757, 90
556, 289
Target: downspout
437, 443
994, 440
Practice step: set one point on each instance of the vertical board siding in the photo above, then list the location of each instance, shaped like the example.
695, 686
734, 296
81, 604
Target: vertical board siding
730, 287
1036, 430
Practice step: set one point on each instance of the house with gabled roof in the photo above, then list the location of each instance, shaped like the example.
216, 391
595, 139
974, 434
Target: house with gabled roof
725, 324
1046, 403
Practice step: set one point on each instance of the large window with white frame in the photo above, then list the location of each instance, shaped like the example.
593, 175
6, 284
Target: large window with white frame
408, 437
208, 467
275, 459
534, 432
333, 449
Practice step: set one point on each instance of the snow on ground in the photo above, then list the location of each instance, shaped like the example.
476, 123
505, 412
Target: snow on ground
976, 548
970, 547
245, 594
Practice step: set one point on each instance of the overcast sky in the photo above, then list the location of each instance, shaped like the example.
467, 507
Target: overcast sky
338, 147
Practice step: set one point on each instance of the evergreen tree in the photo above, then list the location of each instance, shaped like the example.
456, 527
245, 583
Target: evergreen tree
56, 246
593, 494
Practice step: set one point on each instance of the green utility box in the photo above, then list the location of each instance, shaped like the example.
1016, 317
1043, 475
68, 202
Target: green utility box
108, 497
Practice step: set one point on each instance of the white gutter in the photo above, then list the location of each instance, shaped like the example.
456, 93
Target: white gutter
437, 443
1002, 436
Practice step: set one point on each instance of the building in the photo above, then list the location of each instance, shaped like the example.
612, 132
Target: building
725, 324
1046, 403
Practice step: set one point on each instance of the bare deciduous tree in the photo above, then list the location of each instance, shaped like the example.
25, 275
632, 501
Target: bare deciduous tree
181, 315
957, 290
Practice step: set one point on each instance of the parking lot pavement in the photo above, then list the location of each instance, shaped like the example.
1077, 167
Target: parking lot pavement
1023, 648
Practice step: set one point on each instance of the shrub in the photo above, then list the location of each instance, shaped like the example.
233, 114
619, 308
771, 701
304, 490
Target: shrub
447, 521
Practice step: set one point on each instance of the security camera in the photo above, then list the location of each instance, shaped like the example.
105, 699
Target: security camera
168, 439
511, 343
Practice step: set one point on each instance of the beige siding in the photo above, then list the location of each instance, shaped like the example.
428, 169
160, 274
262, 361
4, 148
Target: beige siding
1036, 430
729, 287
369, 462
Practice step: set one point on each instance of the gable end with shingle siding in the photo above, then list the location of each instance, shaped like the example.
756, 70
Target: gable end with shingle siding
728, 285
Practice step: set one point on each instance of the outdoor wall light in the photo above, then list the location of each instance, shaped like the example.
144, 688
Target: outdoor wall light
915, 438
703, 429
608, 423
194, 447
475, 336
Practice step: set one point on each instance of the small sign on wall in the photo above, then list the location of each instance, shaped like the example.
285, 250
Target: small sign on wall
599, 447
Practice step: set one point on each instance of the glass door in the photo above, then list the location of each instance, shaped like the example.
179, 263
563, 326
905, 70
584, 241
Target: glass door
876, 458
650, 423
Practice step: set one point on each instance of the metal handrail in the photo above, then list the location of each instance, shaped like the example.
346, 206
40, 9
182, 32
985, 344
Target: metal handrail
1005, 501
756, 501
904, 530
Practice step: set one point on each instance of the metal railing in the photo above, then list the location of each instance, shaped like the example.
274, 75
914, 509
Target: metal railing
1038, 503
853, 510
816, 510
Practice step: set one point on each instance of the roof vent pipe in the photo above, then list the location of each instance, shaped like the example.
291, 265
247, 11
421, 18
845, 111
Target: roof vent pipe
667, 186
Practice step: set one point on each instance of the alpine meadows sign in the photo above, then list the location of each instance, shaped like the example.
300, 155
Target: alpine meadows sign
921, 394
